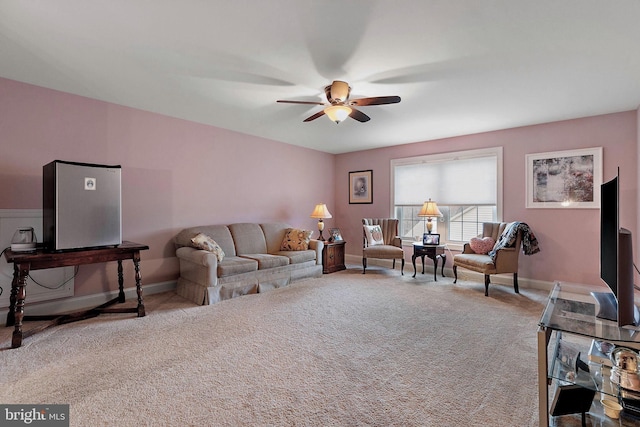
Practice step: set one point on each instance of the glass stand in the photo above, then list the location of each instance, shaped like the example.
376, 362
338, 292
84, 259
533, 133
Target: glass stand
580, 371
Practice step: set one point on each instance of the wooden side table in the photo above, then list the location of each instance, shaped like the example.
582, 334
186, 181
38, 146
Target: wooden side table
23, 262
333, 257
431, 251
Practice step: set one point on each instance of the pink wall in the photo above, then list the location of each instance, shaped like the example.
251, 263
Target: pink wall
569, 238
175, 173
178, 173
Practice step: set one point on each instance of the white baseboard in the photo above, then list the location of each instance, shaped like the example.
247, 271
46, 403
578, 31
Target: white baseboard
502, 279
89, 301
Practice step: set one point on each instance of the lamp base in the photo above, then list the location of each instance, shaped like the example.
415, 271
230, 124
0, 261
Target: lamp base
320, 228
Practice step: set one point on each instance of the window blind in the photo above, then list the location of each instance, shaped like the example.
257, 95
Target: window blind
454, 181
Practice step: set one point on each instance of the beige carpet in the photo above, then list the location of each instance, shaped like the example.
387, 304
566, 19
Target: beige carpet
343, 350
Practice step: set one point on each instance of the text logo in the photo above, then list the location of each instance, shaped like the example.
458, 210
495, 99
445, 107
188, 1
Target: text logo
34, 415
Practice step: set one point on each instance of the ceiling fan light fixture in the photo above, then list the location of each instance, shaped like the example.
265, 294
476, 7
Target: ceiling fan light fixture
339, 107
338, 91
337, 113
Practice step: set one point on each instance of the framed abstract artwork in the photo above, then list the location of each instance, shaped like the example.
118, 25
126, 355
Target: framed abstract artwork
360, 187
564, 179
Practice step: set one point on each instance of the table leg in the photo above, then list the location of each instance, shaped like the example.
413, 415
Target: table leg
11, 315
413, 261
422, 258
543, 368
121, 297
435, 268
444, 261
136, 265
19, 288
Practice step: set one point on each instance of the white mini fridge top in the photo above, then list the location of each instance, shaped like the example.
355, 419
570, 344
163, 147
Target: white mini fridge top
82, 205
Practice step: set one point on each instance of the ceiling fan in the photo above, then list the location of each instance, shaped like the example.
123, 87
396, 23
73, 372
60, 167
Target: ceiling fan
340, 107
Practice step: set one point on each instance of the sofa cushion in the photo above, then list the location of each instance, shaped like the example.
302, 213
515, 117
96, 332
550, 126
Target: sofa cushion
219, 233
206, 243
374, 235
266, 261
298, 257
236, 265
383, 251
476, 262
273, 234
481, 245
295, 239
248, 238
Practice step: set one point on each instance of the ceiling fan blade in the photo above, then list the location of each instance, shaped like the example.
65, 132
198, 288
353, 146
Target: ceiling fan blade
376, 100
359, 115
301, 102
315, 116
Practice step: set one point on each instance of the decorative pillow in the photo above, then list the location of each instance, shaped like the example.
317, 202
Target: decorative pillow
204, 242
481, 245
296, 240
374, 235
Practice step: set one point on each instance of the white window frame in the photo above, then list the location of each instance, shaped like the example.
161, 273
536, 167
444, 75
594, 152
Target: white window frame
454, 155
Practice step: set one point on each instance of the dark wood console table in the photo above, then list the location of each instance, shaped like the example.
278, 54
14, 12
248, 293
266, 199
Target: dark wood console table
431, 251
23, 262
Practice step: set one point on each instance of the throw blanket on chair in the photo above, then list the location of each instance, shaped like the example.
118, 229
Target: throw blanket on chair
508, 238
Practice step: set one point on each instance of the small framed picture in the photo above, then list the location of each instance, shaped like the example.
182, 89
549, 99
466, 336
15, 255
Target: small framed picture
430, 239
335, 235
360, 190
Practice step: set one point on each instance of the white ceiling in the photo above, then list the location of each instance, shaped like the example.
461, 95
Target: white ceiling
460, 66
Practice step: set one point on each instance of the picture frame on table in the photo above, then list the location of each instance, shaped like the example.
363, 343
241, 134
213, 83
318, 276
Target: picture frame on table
335, 235
360, 187
430, 239
564, 179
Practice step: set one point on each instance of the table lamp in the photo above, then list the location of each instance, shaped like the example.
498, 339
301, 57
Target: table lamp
430, 210
321, 212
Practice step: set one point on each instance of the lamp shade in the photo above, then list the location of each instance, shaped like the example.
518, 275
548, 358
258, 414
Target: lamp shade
337, 113
430, 209
321, 211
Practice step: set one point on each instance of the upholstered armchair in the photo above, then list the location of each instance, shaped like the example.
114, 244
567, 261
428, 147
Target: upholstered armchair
496, 252
381, 240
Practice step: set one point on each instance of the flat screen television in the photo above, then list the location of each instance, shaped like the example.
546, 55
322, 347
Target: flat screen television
616, 261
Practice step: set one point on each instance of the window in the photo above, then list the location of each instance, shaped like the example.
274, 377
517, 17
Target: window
467, 186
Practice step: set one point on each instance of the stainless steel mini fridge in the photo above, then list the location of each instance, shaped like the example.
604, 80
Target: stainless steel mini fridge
82, 205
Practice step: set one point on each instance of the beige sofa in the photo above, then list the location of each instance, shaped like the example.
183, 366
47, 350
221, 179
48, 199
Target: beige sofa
253, 261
